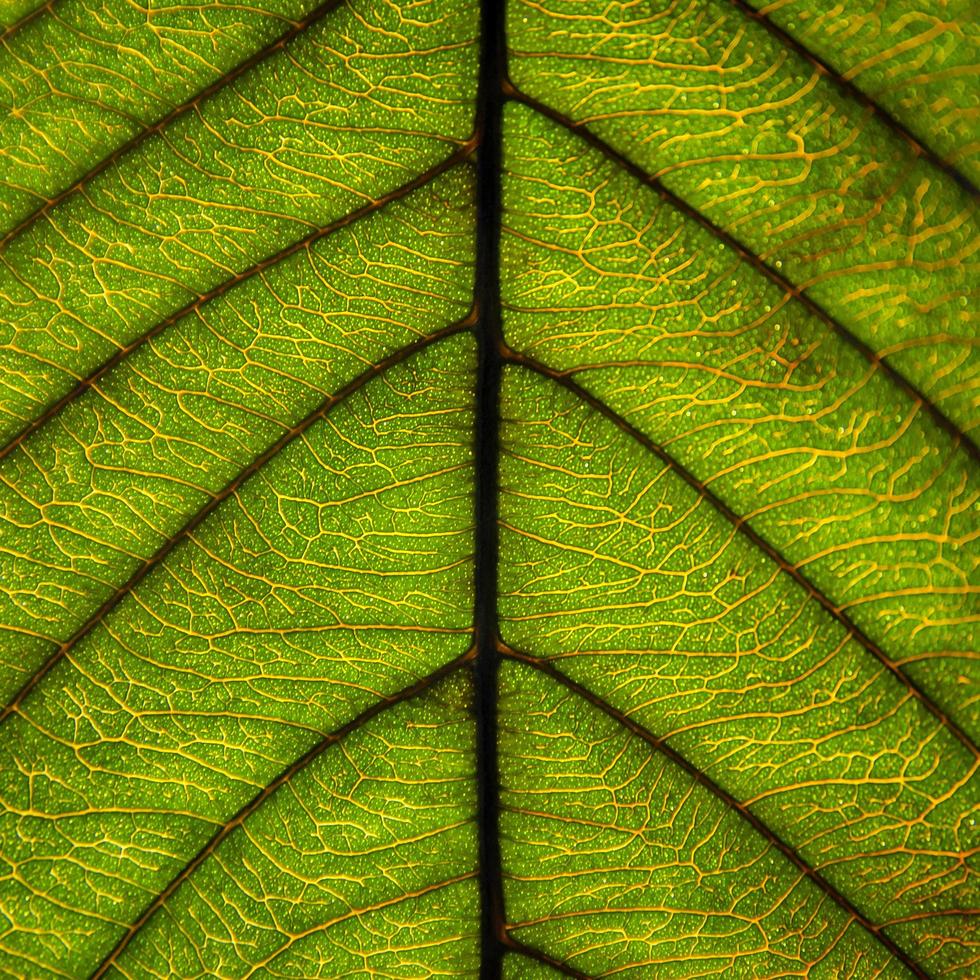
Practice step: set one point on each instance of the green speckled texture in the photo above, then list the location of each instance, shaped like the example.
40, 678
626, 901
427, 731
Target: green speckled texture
271, 703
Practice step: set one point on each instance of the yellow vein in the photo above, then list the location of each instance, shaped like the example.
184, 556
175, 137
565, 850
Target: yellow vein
709, 784
232, 487
850, 89
741, 525
959, 437
307, 242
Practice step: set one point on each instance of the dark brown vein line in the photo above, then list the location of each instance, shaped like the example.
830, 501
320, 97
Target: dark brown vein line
405, 694
522, 949
307, 242
741, 525
959, 437
13, 28
315, 15
702, 779
489, 335
325, 407
851, 90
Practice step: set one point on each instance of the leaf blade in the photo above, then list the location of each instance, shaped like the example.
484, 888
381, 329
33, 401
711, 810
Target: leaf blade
751, 135
226, 663
252, 337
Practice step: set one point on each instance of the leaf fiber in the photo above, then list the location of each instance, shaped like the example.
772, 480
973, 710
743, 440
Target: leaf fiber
488, 489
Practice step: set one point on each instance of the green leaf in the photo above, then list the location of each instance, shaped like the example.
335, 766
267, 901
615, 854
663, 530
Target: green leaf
488, 491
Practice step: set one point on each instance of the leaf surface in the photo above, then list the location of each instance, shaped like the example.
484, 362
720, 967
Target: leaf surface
488, 491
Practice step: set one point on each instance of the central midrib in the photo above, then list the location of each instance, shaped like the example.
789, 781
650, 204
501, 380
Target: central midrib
489, 112
494, 90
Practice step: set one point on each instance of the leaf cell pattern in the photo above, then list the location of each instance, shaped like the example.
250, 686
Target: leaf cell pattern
488, 490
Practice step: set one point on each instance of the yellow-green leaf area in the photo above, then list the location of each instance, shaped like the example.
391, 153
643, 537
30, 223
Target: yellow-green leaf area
630, 582
250, 172
755, 138
336, 576
620, 865
488, 490
79, 84
904, 56
820, 451
114, 475
360, 864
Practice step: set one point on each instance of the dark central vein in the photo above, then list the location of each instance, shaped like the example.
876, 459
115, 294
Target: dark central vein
489, 114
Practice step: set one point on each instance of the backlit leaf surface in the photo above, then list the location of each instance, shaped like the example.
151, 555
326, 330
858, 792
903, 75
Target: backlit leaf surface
488, 492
